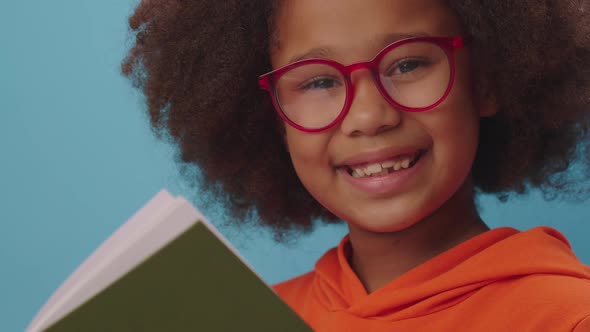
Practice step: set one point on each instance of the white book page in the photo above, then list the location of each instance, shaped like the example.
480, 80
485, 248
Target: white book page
75, 290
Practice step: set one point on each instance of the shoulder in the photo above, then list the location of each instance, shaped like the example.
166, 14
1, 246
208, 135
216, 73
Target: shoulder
557, 302
295, 290
546, 288
298, 290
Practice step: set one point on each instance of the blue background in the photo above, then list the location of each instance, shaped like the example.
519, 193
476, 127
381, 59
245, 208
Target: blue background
77, 158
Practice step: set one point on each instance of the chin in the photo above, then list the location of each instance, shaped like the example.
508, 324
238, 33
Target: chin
380, 225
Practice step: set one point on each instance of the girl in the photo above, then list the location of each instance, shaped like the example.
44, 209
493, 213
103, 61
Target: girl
389, 115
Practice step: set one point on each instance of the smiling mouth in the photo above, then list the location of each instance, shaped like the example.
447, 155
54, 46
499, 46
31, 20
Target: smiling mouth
396, 164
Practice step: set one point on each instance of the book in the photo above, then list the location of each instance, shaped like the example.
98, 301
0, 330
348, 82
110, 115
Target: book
166, 269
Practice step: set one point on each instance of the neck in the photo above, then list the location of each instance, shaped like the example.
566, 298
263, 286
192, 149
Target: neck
378, 258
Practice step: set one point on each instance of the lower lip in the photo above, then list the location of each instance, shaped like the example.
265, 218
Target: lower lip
392, 182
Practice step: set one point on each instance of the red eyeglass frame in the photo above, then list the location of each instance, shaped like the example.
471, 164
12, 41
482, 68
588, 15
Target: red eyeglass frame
448, 44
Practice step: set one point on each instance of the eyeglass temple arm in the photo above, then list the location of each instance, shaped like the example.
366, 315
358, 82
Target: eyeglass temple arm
461, 41
264, 82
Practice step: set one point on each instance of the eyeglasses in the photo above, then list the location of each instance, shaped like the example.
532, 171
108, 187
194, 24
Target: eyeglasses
413, 74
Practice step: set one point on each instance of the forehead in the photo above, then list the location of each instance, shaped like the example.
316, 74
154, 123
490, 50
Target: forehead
354, 30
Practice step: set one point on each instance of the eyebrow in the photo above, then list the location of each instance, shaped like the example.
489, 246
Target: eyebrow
386, 39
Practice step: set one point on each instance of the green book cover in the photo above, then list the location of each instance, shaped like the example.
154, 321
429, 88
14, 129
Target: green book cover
194, 282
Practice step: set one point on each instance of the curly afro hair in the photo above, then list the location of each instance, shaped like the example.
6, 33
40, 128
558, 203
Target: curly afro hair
197, 63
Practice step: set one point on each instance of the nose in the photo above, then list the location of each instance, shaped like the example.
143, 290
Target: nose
370, 113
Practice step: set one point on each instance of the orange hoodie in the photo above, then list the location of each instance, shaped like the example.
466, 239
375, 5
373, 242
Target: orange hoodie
501, 280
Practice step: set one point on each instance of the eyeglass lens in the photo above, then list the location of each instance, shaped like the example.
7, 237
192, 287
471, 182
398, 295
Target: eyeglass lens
414, 75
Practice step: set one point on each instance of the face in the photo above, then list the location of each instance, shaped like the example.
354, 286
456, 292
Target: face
437, 146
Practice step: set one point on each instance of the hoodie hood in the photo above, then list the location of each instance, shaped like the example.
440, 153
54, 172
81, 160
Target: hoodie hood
449, 278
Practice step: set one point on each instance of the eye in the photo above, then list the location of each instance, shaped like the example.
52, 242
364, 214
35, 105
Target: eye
320, 83
407, 66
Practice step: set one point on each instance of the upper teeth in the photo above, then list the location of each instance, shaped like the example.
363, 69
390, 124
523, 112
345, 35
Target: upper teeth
382, 168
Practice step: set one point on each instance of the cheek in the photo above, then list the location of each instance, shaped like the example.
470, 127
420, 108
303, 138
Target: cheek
461, 125
309, 154
456, 130
310, 159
